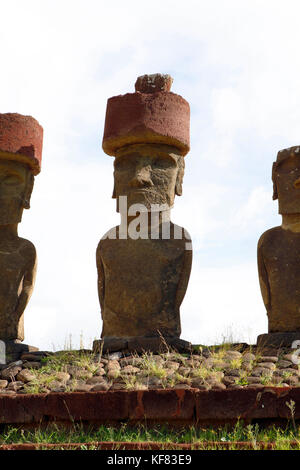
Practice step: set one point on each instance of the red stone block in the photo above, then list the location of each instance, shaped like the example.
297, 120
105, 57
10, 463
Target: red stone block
147, 118
100, 406
249, 403
21, 138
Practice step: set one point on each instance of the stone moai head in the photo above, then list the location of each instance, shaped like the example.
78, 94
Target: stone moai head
148, 134
286, 180
21, 140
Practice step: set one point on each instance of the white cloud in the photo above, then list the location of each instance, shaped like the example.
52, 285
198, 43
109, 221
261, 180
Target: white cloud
223, 303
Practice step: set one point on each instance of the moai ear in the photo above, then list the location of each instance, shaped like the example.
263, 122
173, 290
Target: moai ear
28, 191
179, 179
178, 187
275, 193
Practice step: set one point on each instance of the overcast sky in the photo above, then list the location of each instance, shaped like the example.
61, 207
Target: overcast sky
238, 65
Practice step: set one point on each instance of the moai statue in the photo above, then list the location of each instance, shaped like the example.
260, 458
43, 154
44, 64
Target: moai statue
144, 264
279, 255
21, 140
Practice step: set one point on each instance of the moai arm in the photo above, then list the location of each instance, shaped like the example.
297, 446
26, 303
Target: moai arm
263, 277
28, 280
184, 277
101, 283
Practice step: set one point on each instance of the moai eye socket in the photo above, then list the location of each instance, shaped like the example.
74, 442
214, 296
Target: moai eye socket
163, 162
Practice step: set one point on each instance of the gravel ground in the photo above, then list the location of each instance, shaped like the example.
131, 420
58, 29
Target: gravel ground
210, 368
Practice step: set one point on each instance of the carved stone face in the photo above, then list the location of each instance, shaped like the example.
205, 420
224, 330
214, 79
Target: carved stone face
148, 174
16, 183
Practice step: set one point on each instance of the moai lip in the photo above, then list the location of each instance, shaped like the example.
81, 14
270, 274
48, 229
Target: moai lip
143, 277
21, 139
279, 255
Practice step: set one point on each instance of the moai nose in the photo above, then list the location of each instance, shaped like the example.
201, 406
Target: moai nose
142, 178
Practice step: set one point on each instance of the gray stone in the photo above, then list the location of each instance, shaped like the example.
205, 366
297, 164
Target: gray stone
25, 376
284, 364
100, 387
10, 372
267, 365
268, 359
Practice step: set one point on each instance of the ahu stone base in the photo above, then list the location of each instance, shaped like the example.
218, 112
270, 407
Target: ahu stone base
13, 350
279, 340
140, 344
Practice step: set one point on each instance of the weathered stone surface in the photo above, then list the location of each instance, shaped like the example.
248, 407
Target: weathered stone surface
35, 355
279, 254
113, 373
100, 387
20, 158
261, 371
277, 340
83, 388
153, 83
229, 380
141, 344
15, 386
113, 364
95, 380
284, 372
130, 370
146, 301
25, 376
62, 376
230, 355
100, 371
143, 117
268, 359
21, 139
253, 380
218, 386
144, 264
247, 357
32, 365
232, 372
267, 365
3, 384
282, 364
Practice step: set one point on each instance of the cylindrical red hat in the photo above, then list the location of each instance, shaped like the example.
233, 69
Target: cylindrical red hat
152, 115
21, 139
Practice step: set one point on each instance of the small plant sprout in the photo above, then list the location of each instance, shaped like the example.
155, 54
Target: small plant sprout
292, 407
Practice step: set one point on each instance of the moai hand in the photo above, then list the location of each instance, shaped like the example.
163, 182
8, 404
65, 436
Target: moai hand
279, 255
144, 264
20, 158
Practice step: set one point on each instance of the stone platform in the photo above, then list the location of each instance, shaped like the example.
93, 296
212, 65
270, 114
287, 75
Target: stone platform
13, 350
175, 407
140, 344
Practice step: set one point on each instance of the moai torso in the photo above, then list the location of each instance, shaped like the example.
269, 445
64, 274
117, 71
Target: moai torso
279, 272
143, 283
